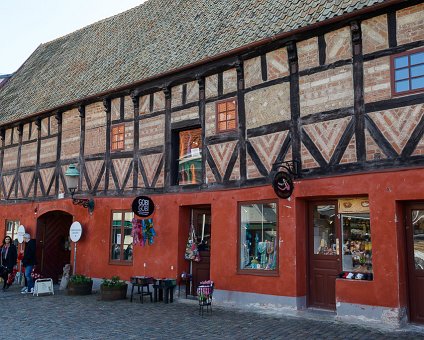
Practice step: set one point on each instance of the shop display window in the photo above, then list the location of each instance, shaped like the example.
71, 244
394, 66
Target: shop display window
190, 157
258, 236
12, 230
121, 240
356, 242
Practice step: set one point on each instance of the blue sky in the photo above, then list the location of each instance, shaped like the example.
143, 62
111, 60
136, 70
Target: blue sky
25, 24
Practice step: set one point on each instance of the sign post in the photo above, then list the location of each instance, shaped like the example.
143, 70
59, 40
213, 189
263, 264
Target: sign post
21, 233
75, 233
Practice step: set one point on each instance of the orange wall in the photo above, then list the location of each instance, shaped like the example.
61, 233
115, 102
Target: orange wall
385, 190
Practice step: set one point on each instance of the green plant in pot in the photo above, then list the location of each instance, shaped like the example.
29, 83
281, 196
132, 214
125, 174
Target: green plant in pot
113, 289
80, 285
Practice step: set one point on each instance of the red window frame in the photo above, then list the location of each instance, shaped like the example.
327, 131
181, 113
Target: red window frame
117, 137
393, 69
226, 115
121, 244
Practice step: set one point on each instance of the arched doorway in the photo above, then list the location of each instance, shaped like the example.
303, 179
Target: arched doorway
53, 246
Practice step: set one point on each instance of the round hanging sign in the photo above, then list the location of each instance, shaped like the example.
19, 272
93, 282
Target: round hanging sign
75, 231
283, 185
143, 206
21, 233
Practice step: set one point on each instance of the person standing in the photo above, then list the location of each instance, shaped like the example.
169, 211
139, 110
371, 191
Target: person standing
29, 261
9, 255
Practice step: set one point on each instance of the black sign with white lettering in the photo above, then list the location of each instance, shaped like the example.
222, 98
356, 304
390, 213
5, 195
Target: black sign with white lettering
143, 206
283, 185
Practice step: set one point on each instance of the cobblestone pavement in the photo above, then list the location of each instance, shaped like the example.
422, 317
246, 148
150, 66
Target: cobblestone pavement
86, 317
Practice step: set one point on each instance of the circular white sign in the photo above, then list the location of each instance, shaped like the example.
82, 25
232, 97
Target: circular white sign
75, 231
21, 233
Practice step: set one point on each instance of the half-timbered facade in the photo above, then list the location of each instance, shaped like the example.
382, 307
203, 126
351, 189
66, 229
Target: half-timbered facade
194, 104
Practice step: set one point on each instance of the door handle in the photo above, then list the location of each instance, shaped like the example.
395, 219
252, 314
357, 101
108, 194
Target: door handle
337, 247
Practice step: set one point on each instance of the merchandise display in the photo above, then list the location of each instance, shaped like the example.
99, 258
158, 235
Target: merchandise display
357, 245
258, 237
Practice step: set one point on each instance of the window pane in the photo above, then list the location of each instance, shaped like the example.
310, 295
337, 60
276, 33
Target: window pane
403, 73
128, 218
231, 124
356, 243
128, 252
231, 115
231, 105
401, 62
324, 230
117, 216
115, 252
222, 107
221, 117
417, 83
417, 58
222, 126
418, 229
258, 236
120, 145
417, 71
402, 86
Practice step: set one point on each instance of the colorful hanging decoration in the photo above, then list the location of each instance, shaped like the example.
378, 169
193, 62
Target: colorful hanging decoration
142, 231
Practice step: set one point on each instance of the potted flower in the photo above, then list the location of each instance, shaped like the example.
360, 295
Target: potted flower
113, 289
80, 285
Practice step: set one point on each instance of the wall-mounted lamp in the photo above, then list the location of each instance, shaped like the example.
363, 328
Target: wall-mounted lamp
72, 177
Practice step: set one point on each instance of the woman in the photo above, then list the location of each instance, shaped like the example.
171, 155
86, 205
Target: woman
9, 255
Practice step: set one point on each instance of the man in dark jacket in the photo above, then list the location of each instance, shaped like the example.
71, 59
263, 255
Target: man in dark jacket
29, 261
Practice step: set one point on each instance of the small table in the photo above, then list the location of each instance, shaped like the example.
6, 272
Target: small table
164, 290
141, 282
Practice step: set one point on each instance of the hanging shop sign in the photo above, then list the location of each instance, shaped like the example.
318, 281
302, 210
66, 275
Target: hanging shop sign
75, 231
143, 206
21, 233
354, 205
283, 184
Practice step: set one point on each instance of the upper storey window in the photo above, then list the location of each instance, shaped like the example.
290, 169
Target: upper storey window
118, 137
226, 115
408, 72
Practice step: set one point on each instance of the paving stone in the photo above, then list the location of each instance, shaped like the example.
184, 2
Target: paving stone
87, 317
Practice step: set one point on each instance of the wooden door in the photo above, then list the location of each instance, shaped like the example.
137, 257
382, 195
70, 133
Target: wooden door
202, 225
415, 258
324, 257
52, 250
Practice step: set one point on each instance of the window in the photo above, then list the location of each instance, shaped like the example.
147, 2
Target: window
258, 237
12, 230
226, 115
190, 157
121, 241
118, 136
356, 241
408, 72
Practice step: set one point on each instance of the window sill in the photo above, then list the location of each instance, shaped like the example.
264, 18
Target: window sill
121, 263
272, 273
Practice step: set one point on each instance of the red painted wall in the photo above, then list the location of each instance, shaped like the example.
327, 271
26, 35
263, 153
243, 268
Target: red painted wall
386, 193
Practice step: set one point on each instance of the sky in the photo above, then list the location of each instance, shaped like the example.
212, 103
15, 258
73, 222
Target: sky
25, 24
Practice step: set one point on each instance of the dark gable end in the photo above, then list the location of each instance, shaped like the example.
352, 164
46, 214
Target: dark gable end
156, 37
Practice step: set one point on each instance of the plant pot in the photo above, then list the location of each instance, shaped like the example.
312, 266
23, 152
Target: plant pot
84, 288
109, 293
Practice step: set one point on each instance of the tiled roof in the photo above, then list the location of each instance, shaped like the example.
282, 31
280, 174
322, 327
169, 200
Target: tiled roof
148, 40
